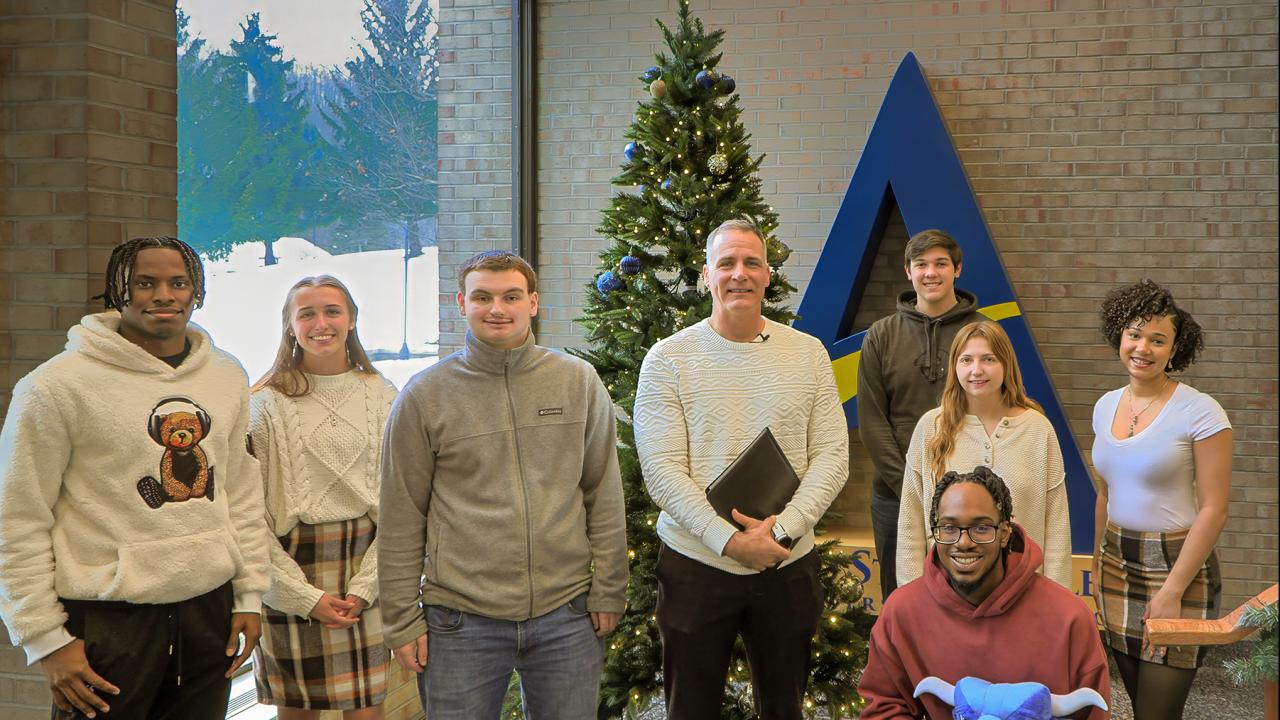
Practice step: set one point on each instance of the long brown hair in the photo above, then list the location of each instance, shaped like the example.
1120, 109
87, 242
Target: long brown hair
955, 404
286, 373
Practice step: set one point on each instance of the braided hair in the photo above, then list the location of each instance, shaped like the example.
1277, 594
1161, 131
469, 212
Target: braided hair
983, 476
123, 258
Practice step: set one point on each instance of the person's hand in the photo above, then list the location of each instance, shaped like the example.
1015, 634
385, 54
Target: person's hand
1161, 605
73, 682
250, 626
1095, 582
332, 612
358, 605
754, 546
604, 622
413, 656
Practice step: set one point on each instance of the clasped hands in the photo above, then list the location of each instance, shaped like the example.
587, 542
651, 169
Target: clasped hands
754, 545
334, 612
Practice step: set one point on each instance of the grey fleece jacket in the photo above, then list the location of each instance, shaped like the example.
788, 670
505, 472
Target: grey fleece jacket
503, 467
901, 374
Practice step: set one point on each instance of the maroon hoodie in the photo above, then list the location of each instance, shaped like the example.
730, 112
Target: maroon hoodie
1029, 629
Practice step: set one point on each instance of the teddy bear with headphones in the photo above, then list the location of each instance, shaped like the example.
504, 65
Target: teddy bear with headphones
178, 425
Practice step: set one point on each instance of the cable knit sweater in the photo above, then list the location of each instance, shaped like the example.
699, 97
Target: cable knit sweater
702, 399
320, 455
1024, 452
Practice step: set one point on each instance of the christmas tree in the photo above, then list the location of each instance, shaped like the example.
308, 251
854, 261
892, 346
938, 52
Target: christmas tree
688, 168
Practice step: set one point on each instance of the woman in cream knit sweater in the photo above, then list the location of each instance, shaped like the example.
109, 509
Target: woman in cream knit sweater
316, 422
987, 419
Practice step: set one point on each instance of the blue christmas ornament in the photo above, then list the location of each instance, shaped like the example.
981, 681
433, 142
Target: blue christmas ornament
629, 265
630, 150
667, 184
608, 282
653, 73
644, 189
706, 79
726, 84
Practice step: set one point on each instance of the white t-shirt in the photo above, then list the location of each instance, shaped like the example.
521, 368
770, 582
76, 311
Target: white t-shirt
1151, 476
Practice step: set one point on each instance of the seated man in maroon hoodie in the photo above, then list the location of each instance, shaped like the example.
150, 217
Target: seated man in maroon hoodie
980, 610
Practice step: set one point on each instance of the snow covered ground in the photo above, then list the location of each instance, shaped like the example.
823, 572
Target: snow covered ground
245, 299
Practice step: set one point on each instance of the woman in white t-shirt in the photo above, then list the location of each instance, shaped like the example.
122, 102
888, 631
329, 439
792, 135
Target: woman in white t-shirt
1163, 455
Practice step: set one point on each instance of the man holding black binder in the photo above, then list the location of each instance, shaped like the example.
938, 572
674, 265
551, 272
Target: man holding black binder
706, 396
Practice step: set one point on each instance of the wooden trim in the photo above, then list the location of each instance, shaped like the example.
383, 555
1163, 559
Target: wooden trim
1209, 632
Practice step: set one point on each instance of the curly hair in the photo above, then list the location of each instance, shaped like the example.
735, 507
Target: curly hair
1143, 301
981, 475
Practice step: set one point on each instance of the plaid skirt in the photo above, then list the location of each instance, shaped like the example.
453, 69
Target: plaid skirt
300, 663
1134, 566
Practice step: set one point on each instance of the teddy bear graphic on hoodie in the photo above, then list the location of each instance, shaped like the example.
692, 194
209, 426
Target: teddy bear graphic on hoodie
178, 425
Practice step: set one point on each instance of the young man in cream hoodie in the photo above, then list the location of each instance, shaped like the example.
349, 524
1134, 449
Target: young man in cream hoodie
133, 552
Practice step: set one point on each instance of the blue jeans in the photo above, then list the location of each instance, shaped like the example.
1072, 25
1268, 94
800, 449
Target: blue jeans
470, 659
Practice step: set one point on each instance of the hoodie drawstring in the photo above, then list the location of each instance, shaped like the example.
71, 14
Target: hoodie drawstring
175, 636
926, 362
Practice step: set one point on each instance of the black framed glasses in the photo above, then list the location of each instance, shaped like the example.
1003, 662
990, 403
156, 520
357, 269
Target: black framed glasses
950, 534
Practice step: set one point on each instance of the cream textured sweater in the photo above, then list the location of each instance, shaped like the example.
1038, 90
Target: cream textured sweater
85, 434
702, 399
1024, 452
320, 456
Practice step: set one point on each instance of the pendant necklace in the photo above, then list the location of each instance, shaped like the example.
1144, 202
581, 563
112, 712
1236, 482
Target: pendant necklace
1133, 422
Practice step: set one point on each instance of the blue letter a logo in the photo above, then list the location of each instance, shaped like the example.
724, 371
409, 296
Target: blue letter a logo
909, 161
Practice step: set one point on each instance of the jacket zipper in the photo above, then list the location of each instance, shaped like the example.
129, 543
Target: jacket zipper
524, 494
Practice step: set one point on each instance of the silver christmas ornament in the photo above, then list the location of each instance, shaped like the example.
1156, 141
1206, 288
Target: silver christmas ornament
718, 163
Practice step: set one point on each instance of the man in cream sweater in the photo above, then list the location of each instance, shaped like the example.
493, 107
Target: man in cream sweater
133, 555
704, 394
501, 462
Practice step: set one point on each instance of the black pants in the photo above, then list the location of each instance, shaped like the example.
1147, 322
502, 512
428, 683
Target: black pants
701, 611
884, 529
129, 646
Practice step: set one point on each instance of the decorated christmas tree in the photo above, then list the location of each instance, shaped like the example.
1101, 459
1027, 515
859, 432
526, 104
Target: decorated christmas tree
688, 167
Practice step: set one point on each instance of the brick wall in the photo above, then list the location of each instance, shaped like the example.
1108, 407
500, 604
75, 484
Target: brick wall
1105, 141
475, 143
87, 107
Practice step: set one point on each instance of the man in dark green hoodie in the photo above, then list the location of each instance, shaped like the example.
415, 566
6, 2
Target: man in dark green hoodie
901, 374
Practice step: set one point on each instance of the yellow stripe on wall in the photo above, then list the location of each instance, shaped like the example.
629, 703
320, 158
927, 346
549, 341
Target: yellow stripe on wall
846, 372
1001, 311
846, 368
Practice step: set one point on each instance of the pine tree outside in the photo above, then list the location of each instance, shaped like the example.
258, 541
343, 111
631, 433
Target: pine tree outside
293, 163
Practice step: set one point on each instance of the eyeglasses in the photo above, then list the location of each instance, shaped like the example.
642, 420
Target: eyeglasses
950, 534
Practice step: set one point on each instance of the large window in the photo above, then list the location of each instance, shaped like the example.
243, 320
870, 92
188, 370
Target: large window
307, 145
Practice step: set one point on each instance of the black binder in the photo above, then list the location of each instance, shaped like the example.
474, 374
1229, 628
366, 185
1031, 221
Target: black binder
758, 483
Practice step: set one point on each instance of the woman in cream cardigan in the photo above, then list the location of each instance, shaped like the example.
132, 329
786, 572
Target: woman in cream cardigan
987, 419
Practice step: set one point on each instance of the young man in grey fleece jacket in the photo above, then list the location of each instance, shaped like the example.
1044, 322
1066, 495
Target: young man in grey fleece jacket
500, 471
901, 375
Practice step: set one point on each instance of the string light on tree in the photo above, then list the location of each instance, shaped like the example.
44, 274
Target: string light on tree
689, 169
